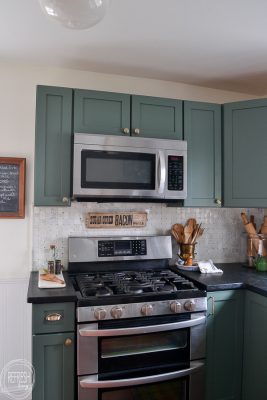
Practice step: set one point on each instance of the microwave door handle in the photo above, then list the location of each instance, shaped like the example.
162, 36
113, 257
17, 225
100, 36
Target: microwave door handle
161, 171
92, 382
90, 330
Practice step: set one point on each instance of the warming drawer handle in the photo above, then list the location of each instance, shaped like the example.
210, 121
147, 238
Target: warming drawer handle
92, 382
88, 330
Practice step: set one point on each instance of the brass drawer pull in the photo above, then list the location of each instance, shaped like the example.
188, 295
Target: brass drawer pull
68, 342
53, 317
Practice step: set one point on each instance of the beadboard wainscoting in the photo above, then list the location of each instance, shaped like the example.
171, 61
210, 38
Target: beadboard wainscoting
224, 239
15, 324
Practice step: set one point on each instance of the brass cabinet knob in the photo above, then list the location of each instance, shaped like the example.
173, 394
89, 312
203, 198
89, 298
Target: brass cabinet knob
218, 202
68, 342
136, 131
65, 200
126, 131
53, 317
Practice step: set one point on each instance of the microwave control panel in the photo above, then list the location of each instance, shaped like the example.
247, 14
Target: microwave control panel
111, 248
175, 173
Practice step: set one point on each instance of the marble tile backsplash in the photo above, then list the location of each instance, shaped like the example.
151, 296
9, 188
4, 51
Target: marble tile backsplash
224, 238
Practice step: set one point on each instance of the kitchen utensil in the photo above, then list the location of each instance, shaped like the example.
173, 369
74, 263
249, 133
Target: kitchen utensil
188, 230
244, 218
179, 229
176, 236
195, 233
264, 225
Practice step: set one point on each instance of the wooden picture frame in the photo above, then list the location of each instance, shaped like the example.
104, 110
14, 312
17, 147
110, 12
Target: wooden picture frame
12, 187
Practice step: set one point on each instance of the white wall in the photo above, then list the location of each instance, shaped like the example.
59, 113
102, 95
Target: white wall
17, 105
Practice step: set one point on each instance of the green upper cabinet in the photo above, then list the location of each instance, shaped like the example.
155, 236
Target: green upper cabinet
122, 114
101, 112
225, 345
157, 117
53, 146
255, 348
245, 161
202, 130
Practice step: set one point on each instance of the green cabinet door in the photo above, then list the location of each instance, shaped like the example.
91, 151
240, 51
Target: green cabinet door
101, 112
202, 131
52, 173
245, 161
157, 117
255, 348
224, 345
53, 361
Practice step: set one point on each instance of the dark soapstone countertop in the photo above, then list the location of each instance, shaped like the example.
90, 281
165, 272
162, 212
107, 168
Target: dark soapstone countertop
235, 276
36, 295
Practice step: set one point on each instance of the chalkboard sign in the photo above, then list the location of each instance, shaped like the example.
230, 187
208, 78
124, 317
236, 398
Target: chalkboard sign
12, 187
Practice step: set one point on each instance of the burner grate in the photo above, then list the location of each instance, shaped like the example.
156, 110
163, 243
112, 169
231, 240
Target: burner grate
126, 283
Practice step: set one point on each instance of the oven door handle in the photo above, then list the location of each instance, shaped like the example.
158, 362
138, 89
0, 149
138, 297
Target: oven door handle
92, 382
92, 330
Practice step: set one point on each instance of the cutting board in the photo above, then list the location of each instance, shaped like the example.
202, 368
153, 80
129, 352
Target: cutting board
50, 285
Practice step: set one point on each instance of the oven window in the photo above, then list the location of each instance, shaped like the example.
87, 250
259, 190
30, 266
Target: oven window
143, 344
172, 390
153, 353
117, 170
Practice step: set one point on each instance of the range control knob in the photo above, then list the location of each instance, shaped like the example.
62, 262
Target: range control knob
190, 305
176, 307
116, 312
100, 313
147, 309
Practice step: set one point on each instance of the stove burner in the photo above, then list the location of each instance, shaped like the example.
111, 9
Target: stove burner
103, 292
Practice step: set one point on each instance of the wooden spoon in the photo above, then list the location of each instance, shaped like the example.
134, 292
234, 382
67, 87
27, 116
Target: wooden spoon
179, 229
174, 234
189, 229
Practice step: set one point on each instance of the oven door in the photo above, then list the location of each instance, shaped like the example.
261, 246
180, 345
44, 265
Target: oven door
117, 356
186, 384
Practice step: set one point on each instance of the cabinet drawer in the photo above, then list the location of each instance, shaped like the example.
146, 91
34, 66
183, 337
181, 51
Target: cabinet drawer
54, 317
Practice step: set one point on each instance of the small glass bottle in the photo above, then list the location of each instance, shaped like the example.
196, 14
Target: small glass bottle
52, 259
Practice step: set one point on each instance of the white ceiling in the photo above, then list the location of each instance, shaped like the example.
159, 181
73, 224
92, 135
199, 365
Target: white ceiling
215, 43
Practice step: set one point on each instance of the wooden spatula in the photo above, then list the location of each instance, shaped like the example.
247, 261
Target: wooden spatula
188, 230
179, 229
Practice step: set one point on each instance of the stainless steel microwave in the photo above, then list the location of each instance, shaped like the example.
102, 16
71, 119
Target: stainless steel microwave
106, 166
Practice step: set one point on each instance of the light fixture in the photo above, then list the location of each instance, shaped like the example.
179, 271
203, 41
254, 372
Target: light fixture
75, 14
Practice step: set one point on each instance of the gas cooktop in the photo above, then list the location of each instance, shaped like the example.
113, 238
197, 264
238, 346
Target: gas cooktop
110, 275
111, 287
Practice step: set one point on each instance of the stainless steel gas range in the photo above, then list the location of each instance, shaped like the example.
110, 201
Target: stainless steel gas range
141, 327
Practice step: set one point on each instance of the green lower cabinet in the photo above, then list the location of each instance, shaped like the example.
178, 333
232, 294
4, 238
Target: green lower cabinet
225, 321
53, 361
202, 131
255, 348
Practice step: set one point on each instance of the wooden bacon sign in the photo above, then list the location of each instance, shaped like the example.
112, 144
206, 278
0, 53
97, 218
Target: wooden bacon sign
116, 220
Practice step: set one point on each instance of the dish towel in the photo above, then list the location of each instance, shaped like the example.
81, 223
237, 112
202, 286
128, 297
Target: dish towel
207, 267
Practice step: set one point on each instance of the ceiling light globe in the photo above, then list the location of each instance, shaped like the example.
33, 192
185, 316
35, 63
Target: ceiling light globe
75, 14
